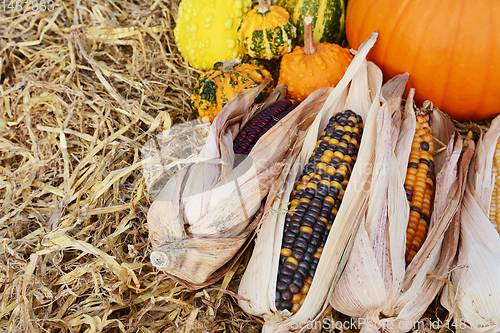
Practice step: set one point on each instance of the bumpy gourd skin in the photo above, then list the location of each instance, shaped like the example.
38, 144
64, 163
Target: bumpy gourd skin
305, 74
214, 88
206, 30
267, 34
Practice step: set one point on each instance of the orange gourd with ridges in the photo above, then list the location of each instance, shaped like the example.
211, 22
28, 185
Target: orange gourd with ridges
311, 67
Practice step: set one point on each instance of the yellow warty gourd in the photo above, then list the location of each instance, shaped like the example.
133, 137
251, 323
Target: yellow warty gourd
206, 30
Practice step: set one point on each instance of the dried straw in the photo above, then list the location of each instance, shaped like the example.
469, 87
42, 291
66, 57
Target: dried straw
83, 88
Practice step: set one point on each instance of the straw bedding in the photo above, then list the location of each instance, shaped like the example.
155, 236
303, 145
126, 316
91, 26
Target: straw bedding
83, 89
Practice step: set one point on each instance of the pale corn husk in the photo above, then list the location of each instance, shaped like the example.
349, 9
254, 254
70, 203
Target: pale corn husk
475, 298
169, 151
375, 287
205, 213
358, 90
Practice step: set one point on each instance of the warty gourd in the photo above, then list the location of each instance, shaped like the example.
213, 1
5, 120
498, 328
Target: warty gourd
206, 30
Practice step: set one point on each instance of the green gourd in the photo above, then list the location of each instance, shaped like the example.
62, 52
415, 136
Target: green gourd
267, 32
328, 18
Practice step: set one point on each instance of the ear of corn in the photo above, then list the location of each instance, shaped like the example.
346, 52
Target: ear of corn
495, 196
419, 186
314, 204
260, 124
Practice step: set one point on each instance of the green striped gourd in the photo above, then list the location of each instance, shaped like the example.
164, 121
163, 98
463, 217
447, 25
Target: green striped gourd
328, 18
267, 32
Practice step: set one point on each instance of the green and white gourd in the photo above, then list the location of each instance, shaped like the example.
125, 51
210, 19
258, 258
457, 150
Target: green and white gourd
328, 18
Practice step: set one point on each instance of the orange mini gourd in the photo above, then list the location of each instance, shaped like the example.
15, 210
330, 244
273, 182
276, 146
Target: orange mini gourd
311, 67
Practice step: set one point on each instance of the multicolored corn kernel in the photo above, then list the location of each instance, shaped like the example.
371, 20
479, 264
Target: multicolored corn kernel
495, 196
260, 124
419, 186
314, 203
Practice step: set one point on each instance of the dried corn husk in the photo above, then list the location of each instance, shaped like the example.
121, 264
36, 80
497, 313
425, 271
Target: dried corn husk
375, 287
359, 91
205, 213
170, 150
475, 302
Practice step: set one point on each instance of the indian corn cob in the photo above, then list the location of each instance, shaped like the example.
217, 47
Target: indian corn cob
260, 124
314, 203
419, 186
495, 196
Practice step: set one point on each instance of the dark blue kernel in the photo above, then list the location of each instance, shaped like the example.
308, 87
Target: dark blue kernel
285, 279
310, 190
303, 271
341, 149
315, 203
299, 243
298, 282
281, 287
286, 296
337, 203
321, 193
316, 241
314, 181
294, 289
313, 212
422, 160
308, 218
294, 230
285, 305
286, 271
304, 264
319, 227
308, 196
305, 236
311, 249
289, 265
413, 165
297, 255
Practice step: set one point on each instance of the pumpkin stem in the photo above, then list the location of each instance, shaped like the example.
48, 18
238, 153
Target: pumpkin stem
309, 46
228, 65
262, 7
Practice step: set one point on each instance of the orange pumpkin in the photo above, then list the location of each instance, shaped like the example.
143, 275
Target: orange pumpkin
308, 68
451, 48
